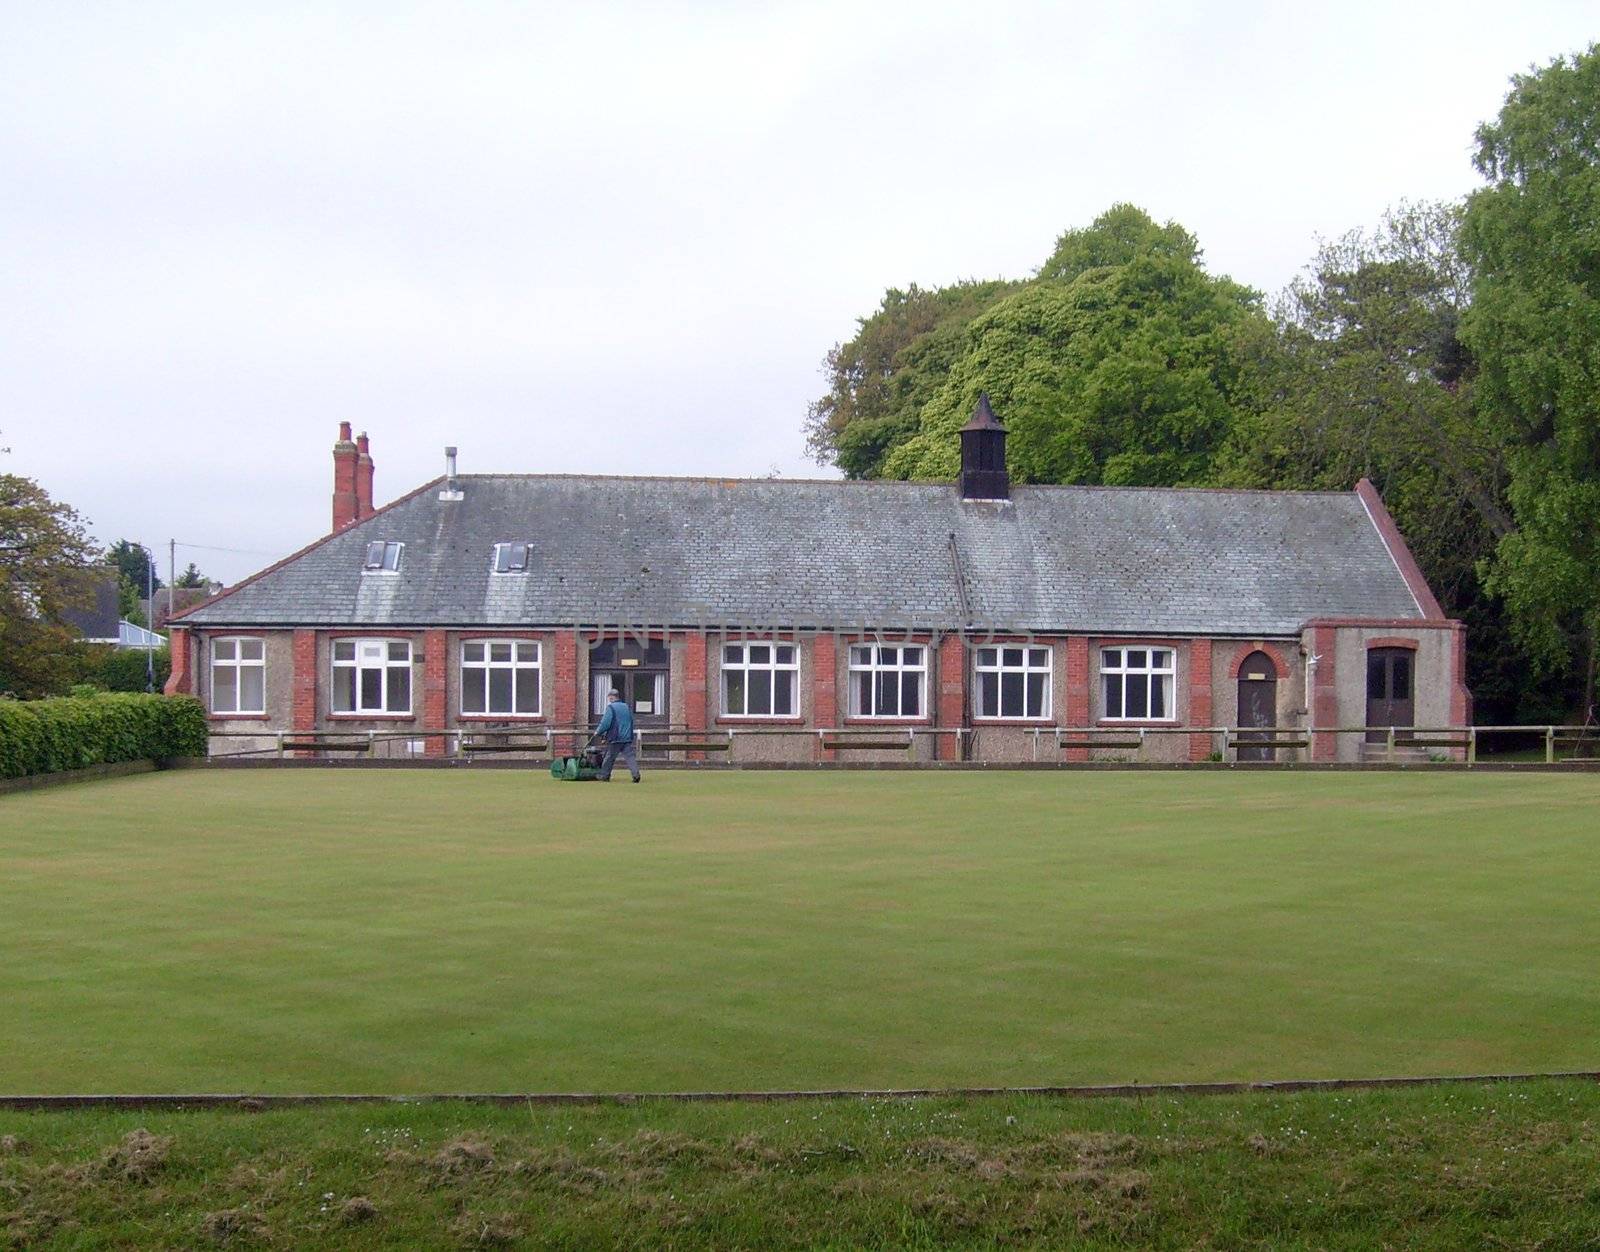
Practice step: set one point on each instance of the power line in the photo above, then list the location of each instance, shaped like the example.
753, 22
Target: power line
211, 547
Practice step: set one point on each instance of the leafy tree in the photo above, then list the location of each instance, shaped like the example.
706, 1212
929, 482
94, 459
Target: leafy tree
1120, 361
879, 380
1129, 373
1123, 233
45, 568
191, 577
1531, 236
1370, 379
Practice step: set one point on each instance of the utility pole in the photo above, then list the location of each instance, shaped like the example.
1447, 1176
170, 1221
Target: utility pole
150, 623
172, 576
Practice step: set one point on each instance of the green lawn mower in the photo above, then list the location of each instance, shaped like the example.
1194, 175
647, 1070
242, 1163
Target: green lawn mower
585, 767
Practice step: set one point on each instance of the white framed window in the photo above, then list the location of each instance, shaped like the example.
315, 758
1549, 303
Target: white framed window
760, 680
1014, 683
888, 680
500, 676
510, 558
1138, 684
238, 675
383, 557
371, 676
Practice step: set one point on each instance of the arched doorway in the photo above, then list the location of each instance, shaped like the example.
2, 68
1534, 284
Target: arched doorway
1258, 707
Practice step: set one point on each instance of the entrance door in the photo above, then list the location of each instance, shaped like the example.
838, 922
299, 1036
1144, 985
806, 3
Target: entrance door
1258, 706
1389, 691
638, 672
643, 691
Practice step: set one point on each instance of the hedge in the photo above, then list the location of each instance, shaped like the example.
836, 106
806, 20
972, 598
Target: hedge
46, 736
123, 669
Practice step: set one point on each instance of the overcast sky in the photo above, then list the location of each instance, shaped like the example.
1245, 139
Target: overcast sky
619, 238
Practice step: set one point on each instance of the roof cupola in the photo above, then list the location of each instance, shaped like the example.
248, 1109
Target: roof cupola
983, 455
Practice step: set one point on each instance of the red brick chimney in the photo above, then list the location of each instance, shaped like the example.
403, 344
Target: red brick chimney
344, 479
363, 477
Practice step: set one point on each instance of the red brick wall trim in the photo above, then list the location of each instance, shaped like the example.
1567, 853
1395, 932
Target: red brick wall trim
1246, 650
435, 691
696, 659
950, 698
305, 680
565, 661
1200, 709
1460, 695
180, 680
1393, 641
1398, 551
295, 556
1385, 623
1324, 694
1079, 681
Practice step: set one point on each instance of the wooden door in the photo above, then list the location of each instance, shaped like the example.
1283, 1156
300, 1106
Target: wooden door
642, 690
1258, 706
1390, 698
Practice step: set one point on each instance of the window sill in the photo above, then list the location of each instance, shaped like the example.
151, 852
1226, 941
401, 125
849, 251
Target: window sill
238, 717
1135, 723
759, 719
1014, 721
373, 717
885, 721
500, 717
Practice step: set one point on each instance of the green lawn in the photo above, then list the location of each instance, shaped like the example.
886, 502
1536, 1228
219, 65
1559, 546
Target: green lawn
407, 931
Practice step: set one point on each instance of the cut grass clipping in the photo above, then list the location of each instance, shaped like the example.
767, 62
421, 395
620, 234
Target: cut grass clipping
1490, 1165
394, 932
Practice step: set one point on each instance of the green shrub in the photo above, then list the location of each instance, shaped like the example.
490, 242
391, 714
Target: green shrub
123, 669
45, 736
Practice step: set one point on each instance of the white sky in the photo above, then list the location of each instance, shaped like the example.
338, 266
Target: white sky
619, 238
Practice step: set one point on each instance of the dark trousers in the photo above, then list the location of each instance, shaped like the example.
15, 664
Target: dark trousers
629, 752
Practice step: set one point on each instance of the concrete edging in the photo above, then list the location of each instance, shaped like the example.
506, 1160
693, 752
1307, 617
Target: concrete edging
542, 765
257, 1103
111, 769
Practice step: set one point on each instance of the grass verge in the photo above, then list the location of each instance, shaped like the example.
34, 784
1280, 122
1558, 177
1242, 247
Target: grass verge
1492, 1165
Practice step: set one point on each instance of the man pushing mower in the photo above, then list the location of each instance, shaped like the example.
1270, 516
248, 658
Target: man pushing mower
616, 732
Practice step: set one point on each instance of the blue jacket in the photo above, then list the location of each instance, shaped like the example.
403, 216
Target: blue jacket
617, 725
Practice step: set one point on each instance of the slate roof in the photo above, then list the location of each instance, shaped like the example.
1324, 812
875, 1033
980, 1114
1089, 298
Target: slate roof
96, 617
754, 553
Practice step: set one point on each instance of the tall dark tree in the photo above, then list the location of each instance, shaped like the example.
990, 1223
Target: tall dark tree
136, 578
1370, 379
1534, 326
